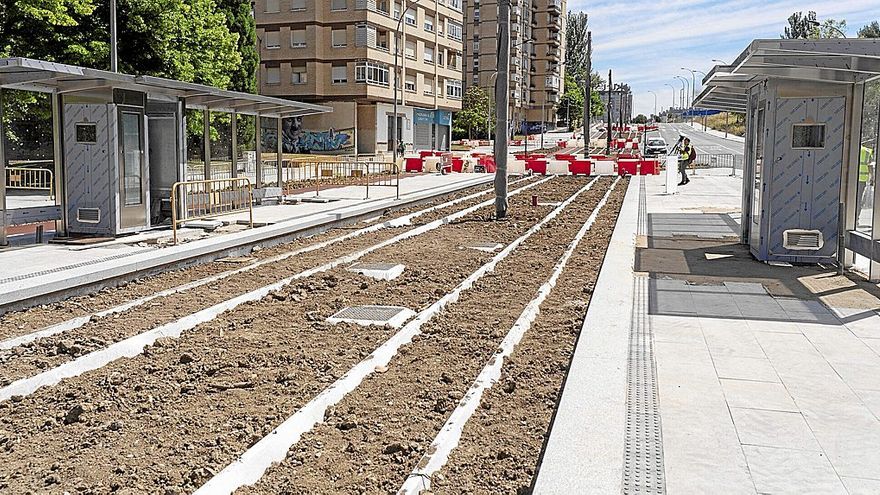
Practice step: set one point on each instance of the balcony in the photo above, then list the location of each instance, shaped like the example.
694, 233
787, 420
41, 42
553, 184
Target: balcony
554, 5
551, 82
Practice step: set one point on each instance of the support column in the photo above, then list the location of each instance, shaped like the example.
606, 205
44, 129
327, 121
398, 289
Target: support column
206, 135
2, 175
58, 158
234, 154
502, 107
258, 166
279, 169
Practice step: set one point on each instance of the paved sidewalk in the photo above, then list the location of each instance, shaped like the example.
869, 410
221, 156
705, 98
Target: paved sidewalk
729, 376
47, 270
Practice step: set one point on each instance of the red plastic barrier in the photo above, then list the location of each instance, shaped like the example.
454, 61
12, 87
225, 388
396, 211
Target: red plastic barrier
488, 162
650, 167
537, 166
457, 165
627, 166
561, 143
564, 156
414, 164
423, 153
598, 157
580, 167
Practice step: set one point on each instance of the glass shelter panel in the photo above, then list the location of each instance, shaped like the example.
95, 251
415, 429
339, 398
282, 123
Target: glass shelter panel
221, 145
246, 146
195, 145
867, 162
269, 150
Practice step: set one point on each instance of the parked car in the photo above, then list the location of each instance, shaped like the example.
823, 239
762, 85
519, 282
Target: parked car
656, 146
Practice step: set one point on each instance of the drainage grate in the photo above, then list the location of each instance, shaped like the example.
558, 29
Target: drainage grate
643, 470
379, 271
489, 247
394, 316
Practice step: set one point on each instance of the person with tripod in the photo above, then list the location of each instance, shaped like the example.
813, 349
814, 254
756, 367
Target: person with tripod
686, 157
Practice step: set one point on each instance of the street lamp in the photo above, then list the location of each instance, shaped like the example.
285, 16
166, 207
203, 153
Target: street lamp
655, 101
722, 62
684, 82
816, 25
114, 56
673, 95
397, 36
693, 89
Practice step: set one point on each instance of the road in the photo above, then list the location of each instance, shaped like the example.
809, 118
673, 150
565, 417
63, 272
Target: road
704, 142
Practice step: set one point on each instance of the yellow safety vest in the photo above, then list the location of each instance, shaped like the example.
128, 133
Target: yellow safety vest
685, 153
865, 156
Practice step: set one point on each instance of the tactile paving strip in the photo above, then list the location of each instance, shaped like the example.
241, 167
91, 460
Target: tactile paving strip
40, 273
643, 470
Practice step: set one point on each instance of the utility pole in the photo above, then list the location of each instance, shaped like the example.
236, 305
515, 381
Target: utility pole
589, 93
394, 130
502, 108
608, 116
543, 116
114, 56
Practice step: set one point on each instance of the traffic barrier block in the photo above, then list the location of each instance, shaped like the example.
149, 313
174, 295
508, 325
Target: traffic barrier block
649, 167
537, 166
558, 167
457, 164
413, 164
627, 166
603, 167
579, 167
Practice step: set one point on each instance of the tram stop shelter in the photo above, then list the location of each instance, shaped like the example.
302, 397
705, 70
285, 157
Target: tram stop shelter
120, 144
809, 191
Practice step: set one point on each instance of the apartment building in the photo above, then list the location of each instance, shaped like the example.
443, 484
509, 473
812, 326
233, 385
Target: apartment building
621, 100
340, 53
536, 54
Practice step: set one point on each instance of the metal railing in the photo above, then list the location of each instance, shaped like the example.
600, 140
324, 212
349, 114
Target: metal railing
730, 161
201, 199
319, 175
40, 179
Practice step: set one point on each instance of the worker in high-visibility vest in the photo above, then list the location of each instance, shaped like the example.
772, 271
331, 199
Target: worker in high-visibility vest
866, 174
686, 157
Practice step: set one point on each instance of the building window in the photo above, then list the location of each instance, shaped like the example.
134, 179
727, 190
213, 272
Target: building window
371, 73
338, 4
410, 50
440, 58
455, 5
429, 55
339, 74
477, 15
429, 87
298, 75
453, 89
272, 40
410, 17
338, 38
429, 24
298, 5
476, 46
273, 75
298, 38
272, 6
409, 85
454, 31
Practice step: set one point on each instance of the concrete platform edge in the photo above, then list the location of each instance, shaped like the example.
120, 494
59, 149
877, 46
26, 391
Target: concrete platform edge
585, 451
64, 284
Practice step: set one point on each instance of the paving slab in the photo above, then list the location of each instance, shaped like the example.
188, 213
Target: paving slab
790, 471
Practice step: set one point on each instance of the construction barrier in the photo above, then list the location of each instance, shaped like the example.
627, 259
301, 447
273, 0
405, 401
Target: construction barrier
201, 199
36, 179
579, 167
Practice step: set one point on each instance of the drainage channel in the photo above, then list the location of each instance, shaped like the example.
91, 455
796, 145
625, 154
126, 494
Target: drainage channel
134, 345
168, 421
249, 468
79, 321
450, 434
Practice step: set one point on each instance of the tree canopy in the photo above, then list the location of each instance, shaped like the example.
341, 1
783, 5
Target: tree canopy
871, 30
802, 26
474, 113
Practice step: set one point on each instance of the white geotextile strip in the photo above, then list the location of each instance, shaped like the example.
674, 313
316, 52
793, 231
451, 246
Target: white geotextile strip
79, 321
133, 346
249, 468
450, 434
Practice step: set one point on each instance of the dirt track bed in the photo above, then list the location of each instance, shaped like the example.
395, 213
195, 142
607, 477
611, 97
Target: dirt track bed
373, 438
42, 354
22, 322
167, 419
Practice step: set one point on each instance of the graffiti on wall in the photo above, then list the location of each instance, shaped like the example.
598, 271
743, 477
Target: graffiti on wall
299, 140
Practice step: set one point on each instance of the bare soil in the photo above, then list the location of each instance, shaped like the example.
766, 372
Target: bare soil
372, 439
22, 322
168, 419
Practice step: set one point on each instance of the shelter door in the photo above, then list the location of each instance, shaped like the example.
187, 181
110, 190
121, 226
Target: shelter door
132, 173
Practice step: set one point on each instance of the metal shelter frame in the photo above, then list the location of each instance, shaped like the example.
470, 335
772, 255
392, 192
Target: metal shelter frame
847, 62
58, 79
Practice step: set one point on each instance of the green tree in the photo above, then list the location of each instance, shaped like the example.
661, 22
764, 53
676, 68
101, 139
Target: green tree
640, 119
832, 28
577, 25
802, 26
871, 30
240, 21
571, 105
473, 114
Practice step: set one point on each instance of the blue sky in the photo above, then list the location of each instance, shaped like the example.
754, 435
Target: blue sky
645, 42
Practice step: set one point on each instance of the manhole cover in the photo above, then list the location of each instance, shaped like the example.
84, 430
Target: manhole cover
489, 247
394, 316
379, 271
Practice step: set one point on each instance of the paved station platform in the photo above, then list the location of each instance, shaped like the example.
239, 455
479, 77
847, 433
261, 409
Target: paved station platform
701, 370
39, 273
